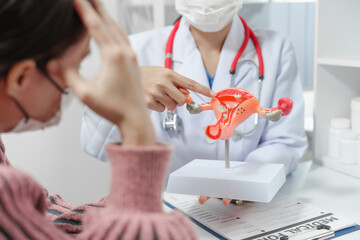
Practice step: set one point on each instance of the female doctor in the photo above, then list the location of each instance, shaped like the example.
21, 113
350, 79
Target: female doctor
208, 38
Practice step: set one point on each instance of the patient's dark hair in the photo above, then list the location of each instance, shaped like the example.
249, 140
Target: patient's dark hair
36, 29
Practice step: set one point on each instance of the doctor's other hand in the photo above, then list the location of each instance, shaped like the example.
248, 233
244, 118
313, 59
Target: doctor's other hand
225, 201
114, 93
164, 88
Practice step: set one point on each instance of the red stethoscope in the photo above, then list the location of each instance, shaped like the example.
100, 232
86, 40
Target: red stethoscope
173, 122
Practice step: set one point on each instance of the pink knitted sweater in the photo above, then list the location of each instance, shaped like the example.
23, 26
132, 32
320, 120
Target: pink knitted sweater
3, 158
132, 210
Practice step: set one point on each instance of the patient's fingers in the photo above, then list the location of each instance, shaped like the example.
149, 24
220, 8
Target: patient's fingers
76, 83
99, 7
93, 22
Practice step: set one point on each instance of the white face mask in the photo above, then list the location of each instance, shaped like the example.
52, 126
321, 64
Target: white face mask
208, 15
32, 124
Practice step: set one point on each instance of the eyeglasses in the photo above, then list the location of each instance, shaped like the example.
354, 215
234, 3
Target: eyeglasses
51, 80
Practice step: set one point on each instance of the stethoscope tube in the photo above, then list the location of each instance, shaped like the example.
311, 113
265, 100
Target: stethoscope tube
169, 45
172, 122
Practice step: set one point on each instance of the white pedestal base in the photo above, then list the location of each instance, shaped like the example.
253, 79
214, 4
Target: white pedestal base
247, 181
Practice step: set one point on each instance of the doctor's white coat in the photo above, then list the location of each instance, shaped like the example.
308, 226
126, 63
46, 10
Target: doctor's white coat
280, 142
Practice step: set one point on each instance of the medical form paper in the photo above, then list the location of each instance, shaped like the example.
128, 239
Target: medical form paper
283, 216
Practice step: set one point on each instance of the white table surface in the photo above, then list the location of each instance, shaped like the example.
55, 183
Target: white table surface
322, 187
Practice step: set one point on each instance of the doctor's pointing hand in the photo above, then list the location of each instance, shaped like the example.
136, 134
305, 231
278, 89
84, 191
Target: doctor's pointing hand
164, 88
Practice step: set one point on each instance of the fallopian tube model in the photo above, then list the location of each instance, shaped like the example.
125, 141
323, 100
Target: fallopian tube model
232, 106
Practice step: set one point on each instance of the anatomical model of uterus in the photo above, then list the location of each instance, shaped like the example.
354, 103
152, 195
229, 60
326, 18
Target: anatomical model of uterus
232, 106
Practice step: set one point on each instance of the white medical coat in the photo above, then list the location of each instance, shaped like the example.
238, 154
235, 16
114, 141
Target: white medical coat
272, 142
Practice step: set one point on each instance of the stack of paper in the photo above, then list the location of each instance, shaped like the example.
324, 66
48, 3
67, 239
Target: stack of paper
283, 216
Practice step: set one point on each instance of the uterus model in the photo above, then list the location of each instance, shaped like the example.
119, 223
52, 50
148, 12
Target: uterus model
243, 180
232, 106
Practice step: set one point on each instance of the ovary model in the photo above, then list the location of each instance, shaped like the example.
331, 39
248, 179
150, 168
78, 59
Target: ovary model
232, 106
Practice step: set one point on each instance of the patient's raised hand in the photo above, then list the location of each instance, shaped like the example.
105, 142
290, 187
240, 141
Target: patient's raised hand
115, 93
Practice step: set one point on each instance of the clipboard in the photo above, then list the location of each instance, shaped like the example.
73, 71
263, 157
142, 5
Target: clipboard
311, 223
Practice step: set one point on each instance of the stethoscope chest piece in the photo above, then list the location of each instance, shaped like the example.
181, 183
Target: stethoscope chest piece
172, 122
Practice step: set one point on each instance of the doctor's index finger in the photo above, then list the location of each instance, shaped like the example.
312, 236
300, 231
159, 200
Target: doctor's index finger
192, 85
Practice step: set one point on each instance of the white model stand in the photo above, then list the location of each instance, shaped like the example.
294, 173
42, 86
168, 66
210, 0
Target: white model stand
247, 181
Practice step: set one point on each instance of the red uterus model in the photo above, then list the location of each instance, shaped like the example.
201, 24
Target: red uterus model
232, 106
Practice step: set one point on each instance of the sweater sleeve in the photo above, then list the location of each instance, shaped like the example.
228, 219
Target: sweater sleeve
137, 175
22, 208
134, 209
3, 158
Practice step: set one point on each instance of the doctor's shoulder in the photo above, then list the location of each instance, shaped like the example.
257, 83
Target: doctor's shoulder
152, 41
271, 41
269, 36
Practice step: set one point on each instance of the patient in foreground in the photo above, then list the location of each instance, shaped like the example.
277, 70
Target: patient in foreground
41, 47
